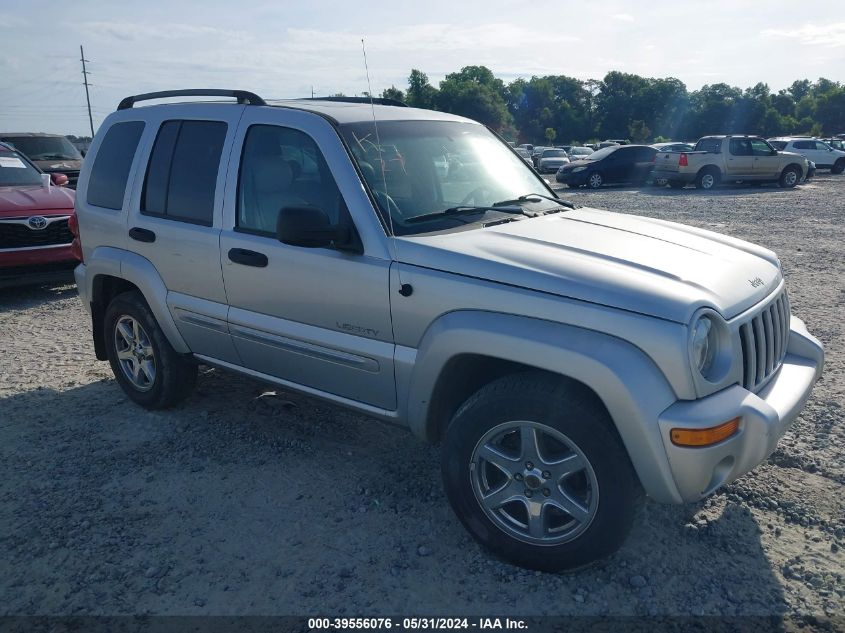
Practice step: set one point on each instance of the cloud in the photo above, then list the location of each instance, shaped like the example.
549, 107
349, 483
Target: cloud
832, 35
10, 21
623, 17
138, 31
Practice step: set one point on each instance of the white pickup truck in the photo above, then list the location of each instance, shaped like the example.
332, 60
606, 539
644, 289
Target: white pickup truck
731, 158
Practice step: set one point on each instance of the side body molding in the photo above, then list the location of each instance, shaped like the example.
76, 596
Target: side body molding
630, 385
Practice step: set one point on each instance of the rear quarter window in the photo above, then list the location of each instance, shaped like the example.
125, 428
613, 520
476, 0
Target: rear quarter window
107, 183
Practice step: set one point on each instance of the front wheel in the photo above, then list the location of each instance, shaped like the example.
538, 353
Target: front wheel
790, 177
838, 166
144, 363
595, 180
536, 473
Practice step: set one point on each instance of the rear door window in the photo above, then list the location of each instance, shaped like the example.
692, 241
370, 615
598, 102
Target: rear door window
711, 145
107, 184
740, 147
181, 177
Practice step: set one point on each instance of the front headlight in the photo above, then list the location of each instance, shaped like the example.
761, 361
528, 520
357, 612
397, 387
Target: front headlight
704, 345
581, 168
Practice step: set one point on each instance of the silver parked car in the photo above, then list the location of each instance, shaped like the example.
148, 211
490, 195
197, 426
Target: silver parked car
566, 358
551, 160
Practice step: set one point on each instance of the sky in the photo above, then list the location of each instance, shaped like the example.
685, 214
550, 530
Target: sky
285, 48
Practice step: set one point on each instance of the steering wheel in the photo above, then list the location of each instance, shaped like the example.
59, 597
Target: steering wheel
475, 193
386, 202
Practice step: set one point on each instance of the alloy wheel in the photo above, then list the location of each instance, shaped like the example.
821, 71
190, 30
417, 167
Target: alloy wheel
134, 353
534, 483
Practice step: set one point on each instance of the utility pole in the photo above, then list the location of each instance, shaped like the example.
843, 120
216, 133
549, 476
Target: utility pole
85, 81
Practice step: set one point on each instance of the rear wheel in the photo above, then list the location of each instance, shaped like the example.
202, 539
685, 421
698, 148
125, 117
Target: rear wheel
536, 473
789, 177
707, 179
144, 363
595, 180
838, 166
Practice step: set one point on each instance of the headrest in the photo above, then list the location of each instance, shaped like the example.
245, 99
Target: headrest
271, 174
369, 173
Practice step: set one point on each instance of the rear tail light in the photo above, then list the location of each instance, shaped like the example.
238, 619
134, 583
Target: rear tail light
682, 161
76, 244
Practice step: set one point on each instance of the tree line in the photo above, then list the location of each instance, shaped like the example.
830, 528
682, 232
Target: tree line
557, 108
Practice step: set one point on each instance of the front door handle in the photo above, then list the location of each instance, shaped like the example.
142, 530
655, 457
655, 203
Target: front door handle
142, 235
247, 257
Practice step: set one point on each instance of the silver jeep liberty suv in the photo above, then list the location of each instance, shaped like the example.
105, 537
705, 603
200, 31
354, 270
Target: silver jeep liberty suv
409, 265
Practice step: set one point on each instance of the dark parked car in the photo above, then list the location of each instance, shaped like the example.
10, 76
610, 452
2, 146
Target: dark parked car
611, 165
51, 153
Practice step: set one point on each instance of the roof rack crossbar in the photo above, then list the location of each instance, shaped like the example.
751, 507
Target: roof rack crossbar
376, 100
244, 97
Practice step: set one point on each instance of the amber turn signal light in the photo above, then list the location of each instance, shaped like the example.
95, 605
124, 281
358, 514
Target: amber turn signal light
704, 437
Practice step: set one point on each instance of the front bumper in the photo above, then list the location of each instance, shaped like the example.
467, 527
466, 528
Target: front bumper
765, 417
30, 266
573, 179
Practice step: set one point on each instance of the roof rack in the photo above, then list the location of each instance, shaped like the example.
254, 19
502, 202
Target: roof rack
244, 97
375, 100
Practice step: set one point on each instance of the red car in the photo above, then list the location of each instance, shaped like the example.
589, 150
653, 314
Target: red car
35, 209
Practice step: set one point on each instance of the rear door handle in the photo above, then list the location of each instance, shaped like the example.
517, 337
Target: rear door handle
142, 235
247, 257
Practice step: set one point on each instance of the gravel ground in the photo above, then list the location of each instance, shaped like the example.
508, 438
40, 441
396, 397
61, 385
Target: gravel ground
246, 500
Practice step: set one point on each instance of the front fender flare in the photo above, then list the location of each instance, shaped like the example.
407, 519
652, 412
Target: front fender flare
630, 385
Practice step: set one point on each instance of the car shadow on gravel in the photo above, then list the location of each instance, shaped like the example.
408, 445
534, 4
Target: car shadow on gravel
23, 297
250, 500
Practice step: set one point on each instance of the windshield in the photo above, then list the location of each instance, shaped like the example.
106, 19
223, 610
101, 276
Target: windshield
44, 147
605, 151
581, 151
554, 153
16, 172
426, 167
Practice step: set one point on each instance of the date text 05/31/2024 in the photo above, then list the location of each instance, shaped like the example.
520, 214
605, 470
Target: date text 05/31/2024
409, 624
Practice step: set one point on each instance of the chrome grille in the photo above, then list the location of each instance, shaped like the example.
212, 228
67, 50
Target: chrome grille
764, 339
17, 234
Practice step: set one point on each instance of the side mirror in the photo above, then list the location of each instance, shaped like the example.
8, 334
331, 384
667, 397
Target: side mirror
309, 227
60, 180
83, 152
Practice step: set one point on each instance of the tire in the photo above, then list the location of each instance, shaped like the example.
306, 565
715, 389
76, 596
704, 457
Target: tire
602, 488
707, 179
676, 184
838, 166
789, 177
595, 180
144, 363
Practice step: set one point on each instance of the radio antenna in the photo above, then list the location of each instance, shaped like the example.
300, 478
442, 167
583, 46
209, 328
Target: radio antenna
404, 289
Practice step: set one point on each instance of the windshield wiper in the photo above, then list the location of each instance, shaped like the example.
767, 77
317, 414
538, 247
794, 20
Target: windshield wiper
465, 210
528, 198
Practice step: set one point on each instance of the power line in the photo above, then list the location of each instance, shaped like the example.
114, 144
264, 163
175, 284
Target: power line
85, 81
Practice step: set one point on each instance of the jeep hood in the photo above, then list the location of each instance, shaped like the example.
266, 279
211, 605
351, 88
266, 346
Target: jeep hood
640, 264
